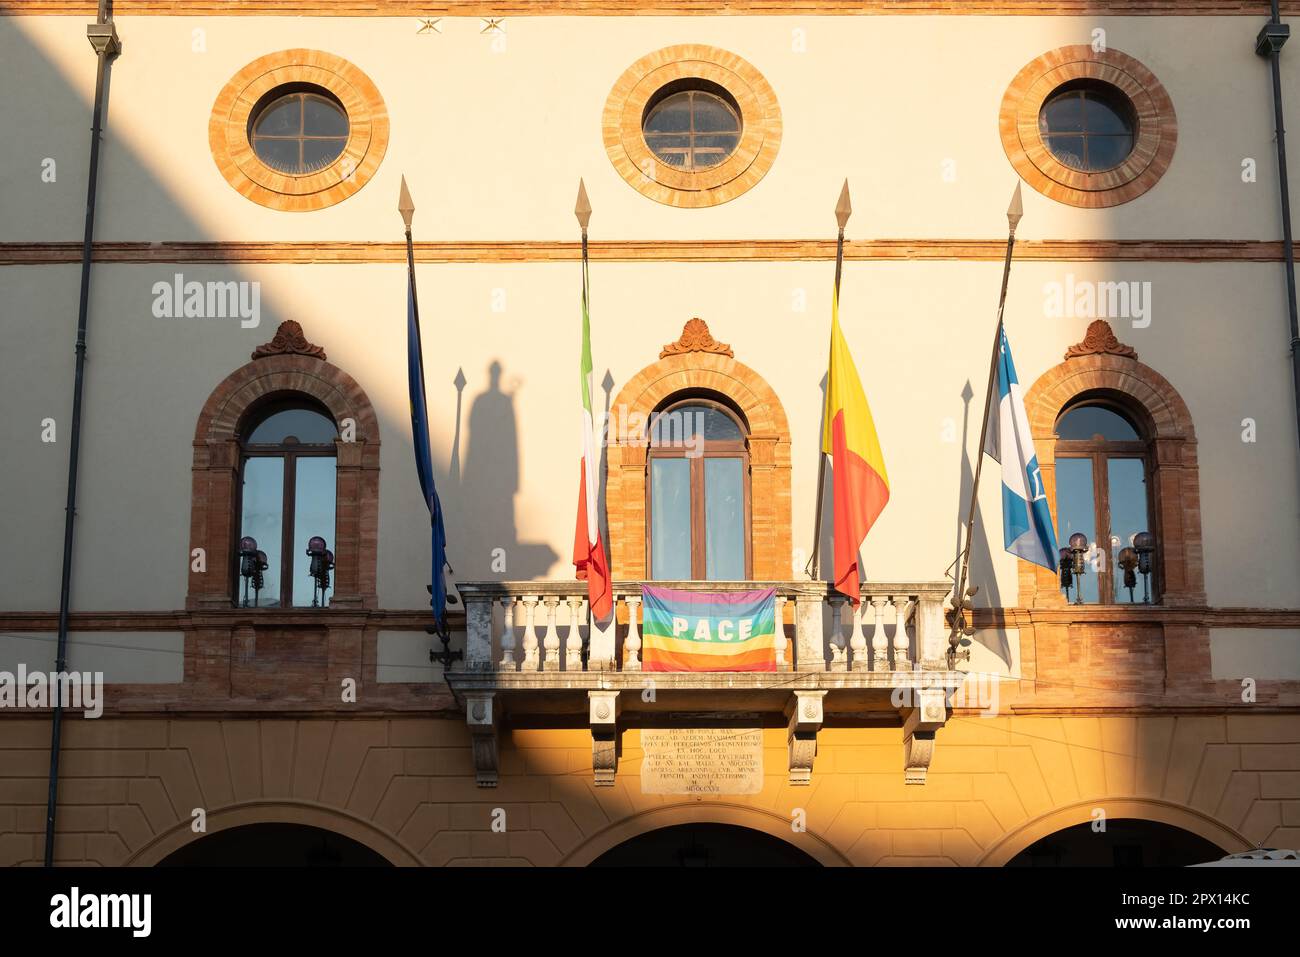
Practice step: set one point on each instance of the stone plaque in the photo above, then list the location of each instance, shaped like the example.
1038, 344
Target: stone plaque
702, 760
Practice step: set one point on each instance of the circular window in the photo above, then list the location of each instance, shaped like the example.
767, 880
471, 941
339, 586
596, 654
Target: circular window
1088, 126
299, 132
694, 128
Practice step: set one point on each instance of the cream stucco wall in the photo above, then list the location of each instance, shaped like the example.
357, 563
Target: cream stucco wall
493, 144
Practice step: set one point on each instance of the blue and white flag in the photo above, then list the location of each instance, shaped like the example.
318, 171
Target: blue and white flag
1026, 520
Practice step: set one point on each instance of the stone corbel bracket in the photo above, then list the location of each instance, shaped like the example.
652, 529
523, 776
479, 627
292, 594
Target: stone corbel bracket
482, 714
806, 716
603, 708
929, 714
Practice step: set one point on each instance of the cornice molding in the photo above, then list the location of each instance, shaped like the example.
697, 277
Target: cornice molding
655, 8
650, 250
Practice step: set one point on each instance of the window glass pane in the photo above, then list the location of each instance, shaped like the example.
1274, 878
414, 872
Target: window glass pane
323, 118
282, 118
317, 154
724, 519
1062, 114
670, 429
308, 426
1128, 516
263, 515
712, 115
670, 509
1067, 149
1086, 421
1076, 512
673, 115
313, 514
1107, 151
1106, 114
280, 155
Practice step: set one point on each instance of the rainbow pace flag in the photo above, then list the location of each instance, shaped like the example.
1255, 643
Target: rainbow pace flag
708, 631
861, 484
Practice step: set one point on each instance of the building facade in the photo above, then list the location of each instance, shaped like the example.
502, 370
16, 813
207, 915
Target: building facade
246, 377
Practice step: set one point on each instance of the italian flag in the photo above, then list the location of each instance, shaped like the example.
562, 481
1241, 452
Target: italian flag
861, 485
588, 550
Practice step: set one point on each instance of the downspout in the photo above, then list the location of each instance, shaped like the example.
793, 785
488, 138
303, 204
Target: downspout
103, 38
1269, 44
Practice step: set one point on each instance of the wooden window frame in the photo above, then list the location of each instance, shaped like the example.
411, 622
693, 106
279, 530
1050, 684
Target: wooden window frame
714, 449
290, 453
1100, 452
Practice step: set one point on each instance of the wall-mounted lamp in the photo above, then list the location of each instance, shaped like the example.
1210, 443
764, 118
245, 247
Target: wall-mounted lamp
1144, 543
1128, 560
1066, 568
1078, 548
251, 565
322, 561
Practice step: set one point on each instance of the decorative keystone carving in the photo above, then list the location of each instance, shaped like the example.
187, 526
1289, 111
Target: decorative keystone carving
603, 715
289, 341
481, 714
1100, 340
806, 716
696, 338
919, 725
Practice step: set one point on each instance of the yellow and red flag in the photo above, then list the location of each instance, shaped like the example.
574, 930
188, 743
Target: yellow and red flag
861, 484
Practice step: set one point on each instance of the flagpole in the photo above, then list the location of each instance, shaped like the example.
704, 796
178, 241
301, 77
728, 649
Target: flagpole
959, 596
406, 206
843, 210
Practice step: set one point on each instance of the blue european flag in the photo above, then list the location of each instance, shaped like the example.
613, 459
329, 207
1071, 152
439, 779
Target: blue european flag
424, 460
1026, 520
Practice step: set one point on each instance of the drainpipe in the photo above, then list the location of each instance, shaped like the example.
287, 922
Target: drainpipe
102, 35
1269, 44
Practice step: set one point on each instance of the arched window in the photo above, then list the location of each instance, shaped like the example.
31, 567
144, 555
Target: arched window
1103, 491
697, 494
286, 498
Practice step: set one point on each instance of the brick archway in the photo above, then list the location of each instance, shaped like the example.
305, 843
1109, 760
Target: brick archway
755, 819
340, 822
1143, 809
1102, 365
289, 365
698, 364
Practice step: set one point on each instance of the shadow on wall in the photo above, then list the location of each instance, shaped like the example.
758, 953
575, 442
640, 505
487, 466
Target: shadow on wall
479, 500
490, 482
982, 571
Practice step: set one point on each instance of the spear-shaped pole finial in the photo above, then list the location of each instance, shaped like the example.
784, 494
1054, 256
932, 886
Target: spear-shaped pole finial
583, 207
844, 208
1016, 209
406, 205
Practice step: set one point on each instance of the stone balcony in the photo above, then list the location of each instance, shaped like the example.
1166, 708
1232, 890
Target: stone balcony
532, 651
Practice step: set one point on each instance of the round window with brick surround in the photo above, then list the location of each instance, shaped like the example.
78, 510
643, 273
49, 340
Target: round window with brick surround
1088, 128
692, 126
298, 130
